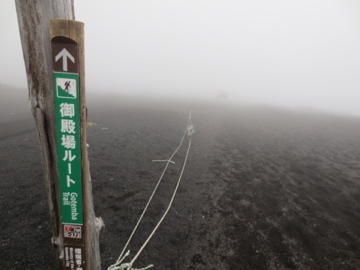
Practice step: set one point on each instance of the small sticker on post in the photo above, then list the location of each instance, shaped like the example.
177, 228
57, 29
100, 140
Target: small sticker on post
72, 231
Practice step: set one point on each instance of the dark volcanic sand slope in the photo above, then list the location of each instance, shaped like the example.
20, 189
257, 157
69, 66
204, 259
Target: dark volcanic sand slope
263, 189
24, 227
291, 191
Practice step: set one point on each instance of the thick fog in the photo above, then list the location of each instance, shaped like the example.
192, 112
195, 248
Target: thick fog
300, 53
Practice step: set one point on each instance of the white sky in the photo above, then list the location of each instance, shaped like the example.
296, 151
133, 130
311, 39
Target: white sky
286, 52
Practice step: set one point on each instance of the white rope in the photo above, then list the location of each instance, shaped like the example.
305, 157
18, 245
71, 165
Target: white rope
167, 210
128, 266
163, 160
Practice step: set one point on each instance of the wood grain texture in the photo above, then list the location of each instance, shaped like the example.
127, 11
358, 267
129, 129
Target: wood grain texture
34, 25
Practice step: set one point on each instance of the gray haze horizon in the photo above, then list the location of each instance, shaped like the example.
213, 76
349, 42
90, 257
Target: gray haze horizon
285, 53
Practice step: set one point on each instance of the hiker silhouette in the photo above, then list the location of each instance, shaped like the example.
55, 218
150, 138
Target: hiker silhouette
67, 85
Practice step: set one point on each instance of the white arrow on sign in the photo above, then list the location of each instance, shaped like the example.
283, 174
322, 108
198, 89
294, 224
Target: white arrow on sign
65, 55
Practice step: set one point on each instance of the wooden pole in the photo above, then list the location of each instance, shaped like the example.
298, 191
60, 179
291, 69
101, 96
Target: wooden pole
34, 19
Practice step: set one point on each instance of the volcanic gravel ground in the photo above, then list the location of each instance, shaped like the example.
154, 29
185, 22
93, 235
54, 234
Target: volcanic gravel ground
264, 188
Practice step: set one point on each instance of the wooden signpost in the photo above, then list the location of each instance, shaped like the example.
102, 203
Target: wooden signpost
66, 40
53, 52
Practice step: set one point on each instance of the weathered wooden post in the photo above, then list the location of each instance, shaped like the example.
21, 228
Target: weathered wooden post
54, 58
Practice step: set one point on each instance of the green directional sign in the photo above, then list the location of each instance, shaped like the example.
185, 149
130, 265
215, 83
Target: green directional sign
67, 117
67, 114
